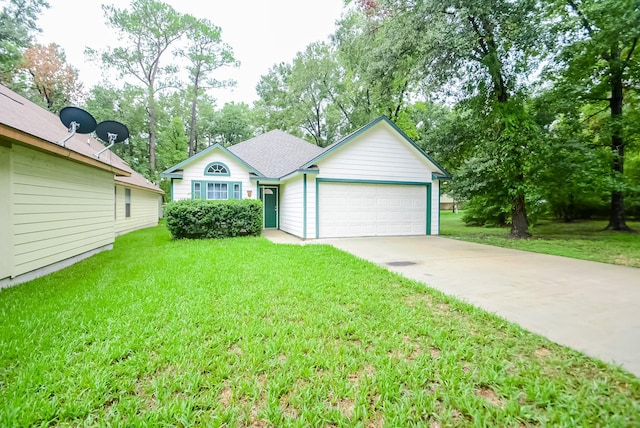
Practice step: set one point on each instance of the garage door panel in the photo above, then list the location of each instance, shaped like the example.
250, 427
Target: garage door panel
354, 209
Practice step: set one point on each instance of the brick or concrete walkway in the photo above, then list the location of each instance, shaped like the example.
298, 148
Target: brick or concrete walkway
588, 306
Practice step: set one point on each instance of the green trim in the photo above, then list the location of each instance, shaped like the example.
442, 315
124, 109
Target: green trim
193, 189
439, 195
228, 173
355, 180
399, 183
429, 209
318, 208
277, 204
440, 177
286, 177
297, 172
304, 202
203, 188
172, 175
263, 178
217, 146
172, 192
365, 128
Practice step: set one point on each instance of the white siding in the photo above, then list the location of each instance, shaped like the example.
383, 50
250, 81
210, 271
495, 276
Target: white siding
377, 154
144, 210
292, 206
435, 207
60, 209
6, 240
195, 171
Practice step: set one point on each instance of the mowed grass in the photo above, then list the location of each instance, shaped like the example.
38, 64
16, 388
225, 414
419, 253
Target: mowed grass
243, 332
585, 240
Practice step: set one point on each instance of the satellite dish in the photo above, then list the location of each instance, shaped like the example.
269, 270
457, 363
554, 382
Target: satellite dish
77, 121
111, 132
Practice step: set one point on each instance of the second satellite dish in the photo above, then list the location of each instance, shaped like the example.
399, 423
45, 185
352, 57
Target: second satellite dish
112, 132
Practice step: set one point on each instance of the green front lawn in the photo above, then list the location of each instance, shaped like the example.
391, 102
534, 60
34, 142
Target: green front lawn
585, 240
243, 332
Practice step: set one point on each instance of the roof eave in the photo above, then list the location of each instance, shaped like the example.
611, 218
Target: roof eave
171, 175
301, 171
441, 177
137, 186
25, 139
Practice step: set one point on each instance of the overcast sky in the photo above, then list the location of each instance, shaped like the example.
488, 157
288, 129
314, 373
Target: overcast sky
261, 33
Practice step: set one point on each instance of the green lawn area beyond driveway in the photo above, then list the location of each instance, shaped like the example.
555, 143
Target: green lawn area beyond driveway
244, 332
585, 240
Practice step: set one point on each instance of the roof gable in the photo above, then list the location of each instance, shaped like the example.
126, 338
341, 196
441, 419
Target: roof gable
441, 173
173, 171
275, 153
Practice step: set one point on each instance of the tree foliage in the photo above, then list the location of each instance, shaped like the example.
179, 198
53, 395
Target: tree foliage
147, 31
232, 124
598, 65
55, 82
18, 23
205, 52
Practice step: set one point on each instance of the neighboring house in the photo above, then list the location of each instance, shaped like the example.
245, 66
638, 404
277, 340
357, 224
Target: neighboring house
60, 204
446, 202
374, 182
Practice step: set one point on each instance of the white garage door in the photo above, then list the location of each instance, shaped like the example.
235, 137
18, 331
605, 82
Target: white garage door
353, 209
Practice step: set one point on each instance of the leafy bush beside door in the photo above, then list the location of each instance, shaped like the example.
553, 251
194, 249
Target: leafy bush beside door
204, 219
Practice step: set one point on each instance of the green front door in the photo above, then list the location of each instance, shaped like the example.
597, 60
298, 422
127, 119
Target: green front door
270, 203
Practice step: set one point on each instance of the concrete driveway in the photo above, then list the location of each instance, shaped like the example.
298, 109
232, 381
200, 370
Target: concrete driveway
588, 306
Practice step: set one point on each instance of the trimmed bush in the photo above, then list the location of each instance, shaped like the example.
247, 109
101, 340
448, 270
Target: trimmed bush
203, 219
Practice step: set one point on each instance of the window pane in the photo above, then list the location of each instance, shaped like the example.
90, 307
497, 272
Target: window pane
210, 191
197, 193
127, 202
217, 168
221, 191
236, 191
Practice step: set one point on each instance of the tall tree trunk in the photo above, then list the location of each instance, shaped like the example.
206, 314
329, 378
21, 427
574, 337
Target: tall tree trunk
152, 134
192, 129
519, 222
484, 30
616, 214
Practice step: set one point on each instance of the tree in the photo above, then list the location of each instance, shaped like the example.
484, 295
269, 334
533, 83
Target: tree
17, 24
232, 124
480, 51
599, 64
205, 53
272, 106
175, 149
55, 81
126, 105
299, 97
148, 31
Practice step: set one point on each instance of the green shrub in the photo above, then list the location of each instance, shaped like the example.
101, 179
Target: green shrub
202, 219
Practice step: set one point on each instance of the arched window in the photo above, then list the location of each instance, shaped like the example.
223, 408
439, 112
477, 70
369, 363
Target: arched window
216, 168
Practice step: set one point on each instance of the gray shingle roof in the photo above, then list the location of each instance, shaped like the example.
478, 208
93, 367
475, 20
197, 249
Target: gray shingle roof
276, 153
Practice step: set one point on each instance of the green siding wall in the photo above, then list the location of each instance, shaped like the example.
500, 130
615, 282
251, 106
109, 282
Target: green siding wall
6, 245
144, 210
60, 209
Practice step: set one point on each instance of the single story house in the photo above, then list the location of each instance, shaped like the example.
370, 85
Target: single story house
374, 182
60, 203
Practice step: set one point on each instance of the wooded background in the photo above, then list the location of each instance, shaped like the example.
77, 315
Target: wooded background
533, 106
